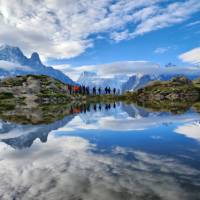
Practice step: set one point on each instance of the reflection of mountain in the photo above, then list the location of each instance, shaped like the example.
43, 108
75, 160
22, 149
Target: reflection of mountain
127, 118
32, 132
135, 112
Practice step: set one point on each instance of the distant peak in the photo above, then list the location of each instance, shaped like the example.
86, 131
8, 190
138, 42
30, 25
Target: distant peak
87, 73
35, 57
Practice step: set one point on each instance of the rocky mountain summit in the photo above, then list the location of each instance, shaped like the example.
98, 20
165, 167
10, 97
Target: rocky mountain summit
21, 65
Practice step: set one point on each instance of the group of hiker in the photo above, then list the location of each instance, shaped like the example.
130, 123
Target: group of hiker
85, 90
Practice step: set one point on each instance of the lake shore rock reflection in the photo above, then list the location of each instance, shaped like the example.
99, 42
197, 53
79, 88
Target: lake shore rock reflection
101, 151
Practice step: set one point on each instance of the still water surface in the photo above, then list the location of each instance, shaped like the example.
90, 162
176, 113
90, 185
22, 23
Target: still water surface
116, 152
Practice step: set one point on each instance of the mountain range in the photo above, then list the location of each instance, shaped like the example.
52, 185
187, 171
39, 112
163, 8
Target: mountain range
93, 80
124, 83
140, 80
13, 62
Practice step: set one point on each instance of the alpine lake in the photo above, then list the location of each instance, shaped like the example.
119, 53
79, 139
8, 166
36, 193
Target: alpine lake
110, 151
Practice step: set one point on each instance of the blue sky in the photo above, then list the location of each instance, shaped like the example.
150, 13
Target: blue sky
161, 46
74, 36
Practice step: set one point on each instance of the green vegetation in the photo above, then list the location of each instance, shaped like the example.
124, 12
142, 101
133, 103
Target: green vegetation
6, 95
177, 89
7, 101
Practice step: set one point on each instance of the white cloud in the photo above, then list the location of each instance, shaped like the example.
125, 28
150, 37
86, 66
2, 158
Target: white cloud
161, 50
193, 23
10, 66
191, 130
192, 56
63, 29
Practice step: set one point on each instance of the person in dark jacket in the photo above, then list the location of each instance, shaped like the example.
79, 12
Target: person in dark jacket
99, 91
106, 90
109, 90
94, 90
114, 91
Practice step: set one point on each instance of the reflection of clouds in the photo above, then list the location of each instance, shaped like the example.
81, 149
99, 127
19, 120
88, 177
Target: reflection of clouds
65, 168
191, 130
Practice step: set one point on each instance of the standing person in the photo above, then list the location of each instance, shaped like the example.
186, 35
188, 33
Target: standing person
87, 90
94, 90
114, 91
106, 90
70, 89
67, 88
80, 90
109, 90
76, 89
83, 88
99, 90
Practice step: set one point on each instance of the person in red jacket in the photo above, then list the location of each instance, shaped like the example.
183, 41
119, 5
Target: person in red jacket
76, 89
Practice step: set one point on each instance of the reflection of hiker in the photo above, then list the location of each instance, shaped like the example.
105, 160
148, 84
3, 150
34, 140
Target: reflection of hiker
84, 108
114, 91
99, 106
99, 91
114, 105
106, 107
95, 107
71, 110
94, 90
88, 107
109, 106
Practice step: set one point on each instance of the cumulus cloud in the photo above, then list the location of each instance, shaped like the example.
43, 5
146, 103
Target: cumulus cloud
64, 29
66, 168
192, 56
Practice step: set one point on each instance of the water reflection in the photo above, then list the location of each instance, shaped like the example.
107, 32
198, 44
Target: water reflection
101, 151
